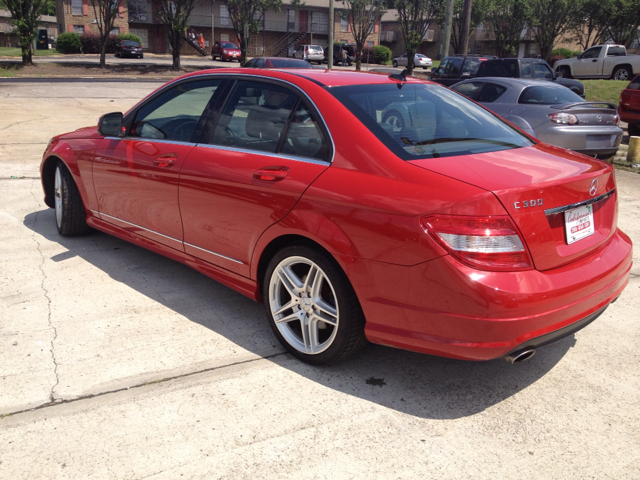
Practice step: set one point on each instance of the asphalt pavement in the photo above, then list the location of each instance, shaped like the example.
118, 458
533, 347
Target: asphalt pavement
119, 363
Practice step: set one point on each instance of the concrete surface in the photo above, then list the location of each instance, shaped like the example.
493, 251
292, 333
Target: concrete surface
119, 363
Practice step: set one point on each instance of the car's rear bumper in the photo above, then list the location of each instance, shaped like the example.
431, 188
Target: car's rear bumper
444, 308
590, 140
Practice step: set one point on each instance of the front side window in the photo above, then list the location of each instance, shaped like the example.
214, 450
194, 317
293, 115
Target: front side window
548, 95
269, 118
175, 113
593, 52
427, 121
453, 66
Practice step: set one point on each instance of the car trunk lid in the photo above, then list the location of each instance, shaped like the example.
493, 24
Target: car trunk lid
537, 185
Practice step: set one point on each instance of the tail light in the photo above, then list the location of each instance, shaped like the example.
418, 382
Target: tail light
563, 118
486, 243
616, 119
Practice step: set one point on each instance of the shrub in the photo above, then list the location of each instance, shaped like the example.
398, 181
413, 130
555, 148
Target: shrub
69, 42
383, 54
564, 53
90, 43
129, 36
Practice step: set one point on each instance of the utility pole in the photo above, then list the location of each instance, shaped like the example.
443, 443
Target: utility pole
466, 24
331, 27
448, 20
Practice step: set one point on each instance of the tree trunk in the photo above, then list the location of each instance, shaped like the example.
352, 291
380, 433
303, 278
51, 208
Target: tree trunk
175, 44
27, 57
466, 24
358, 58
103, 54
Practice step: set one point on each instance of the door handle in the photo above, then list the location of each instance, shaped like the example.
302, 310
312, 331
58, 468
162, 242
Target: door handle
271, 174
166, 160
594, 60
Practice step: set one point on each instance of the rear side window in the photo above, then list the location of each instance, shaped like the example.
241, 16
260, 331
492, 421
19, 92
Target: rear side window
635, 84
548, 95
427, 121
491, 93
469, 89
453, 66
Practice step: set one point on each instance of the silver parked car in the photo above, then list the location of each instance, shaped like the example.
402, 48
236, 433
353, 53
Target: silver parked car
549, 112
310, 53
419, 60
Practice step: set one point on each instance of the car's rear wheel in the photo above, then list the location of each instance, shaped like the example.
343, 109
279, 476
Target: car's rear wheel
395, 64
622, 73
564, 72
71, 217
312, 307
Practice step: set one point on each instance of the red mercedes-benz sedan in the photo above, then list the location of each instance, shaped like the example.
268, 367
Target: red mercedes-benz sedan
357, 207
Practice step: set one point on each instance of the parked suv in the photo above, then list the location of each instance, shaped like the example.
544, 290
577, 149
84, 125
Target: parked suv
629, 108
454, 69
310, 53
337, 53
534, 68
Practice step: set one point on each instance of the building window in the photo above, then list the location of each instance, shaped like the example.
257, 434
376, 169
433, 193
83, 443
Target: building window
319, 22
224, 37
344, 25
78, 29
224, 15
76, 7
369, 44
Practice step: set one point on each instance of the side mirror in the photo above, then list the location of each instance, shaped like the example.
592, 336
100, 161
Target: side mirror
434, 69
579, 56
110, 124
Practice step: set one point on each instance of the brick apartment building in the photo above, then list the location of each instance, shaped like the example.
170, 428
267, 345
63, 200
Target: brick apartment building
78, 16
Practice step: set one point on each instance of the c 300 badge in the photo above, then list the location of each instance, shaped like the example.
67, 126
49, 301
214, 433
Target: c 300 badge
528, 203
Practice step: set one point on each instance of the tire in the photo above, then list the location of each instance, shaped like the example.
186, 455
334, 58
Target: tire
395, 64
634, 130
312, 307
622, 73
142, 55
71, 217
564, 72
394, 119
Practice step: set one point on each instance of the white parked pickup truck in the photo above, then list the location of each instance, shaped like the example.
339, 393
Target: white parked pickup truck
601, 61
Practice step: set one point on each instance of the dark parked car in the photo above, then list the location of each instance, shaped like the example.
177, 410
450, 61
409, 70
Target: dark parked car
629, 107
454, 69
226, 51
549, 112
129, 48
337, 53
276, 62
423, 221
533, 68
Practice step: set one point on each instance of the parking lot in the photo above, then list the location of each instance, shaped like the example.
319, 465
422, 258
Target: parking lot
119, 363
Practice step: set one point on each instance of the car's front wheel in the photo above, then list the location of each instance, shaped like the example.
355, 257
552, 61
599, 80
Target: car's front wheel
395, 64
71, 218
312, 307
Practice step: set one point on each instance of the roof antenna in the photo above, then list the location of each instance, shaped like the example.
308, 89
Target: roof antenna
402, 76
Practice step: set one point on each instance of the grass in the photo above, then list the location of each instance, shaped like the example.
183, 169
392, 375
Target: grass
17, 52
604, 90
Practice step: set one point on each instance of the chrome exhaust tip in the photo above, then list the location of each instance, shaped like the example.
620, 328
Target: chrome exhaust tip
520, 356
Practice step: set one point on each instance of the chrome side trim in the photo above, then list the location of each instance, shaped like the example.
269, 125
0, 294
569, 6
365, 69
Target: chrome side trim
141, 228
94, 212
263, 154
553, 211
154, 140
214, 253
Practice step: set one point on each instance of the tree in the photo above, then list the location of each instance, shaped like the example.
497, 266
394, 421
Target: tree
246, 16
506, 19
174, 14
623, 19
24, 17
415, 16
550, 20
478, 16
590, 22
363, 16
106, 12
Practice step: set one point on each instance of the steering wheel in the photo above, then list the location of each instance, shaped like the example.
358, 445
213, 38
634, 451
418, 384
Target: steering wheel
184, 131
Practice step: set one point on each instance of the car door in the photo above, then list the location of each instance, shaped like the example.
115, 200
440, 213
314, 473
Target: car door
265, 147
136, 177
587, 64
451, 72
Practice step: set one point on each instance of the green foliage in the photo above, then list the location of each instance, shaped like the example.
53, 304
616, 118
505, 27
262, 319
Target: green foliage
48, 8
69, 42
92, 43
564, 53
414, 17
382, 53
129, 36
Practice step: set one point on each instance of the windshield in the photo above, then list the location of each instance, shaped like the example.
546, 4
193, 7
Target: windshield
548, 95
229, 45
427, 121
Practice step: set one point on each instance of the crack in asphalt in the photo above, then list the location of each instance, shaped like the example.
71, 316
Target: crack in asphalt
46, 295
140, 385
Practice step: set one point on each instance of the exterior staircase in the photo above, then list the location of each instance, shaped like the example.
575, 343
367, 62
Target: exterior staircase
288, 44
192, 39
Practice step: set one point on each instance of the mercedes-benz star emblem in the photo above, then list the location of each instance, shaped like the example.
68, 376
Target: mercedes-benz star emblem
594, 187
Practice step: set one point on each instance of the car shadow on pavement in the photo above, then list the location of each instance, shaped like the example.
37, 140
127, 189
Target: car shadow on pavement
420, 385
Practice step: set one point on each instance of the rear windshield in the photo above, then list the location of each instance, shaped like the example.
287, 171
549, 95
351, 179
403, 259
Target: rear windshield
548, 95
131, 43
315, 48
635, 84
427, 121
